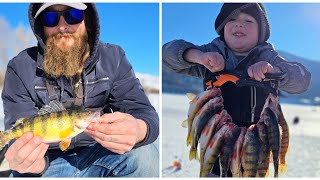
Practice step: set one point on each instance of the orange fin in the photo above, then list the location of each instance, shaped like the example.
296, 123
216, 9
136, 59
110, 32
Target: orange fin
64, 144
282, 168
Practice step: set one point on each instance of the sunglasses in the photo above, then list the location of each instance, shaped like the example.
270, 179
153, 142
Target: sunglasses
71, 16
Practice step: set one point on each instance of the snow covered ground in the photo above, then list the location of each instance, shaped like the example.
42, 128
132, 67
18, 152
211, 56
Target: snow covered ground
303, 158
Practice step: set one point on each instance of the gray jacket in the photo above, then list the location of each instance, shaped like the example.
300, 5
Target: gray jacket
244, 104
297, 77
108, 80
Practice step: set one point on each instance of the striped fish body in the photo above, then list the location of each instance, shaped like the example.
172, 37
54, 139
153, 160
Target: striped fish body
284, 138
235, 165
250, 152
212, 107
273, 137
264, 154
53, 127
208, 131
206, 134
212, 152
224, 119
230, 138
195, 105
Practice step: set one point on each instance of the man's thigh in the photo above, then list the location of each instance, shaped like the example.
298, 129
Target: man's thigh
140, 162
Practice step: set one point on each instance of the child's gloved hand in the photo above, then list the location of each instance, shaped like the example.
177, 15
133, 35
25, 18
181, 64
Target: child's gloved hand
212, 61
257, 70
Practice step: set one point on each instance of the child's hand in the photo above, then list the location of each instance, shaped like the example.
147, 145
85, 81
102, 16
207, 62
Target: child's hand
212, 61
257, 70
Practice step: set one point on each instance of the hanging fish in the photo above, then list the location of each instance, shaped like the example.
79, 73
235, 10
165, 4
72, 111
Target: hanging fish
196, 103
250, 152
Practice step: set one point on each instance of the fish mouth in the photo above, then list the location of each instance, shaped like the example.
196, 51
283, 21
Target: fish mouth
82, 125
95, 116
85, 123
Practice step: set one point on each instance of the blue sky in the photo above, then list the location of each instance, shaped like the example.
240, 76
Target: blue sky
133, 26
295, 27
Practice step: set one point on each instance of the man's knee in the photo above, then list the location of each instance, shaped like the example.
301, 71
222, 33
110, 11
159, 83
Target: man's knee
147, 159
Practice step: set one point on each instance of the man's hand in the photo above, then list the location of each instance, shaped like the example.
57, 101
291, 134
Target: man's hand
118, 132
26, 154
211, 60
257, 70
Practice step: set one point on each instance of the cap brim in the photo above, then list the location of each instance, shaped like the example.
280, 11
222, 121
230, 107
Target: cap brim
80, 6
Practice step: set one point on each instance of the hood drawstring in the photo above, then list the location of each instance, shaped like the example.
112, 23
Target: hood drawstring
84, 85
62, 88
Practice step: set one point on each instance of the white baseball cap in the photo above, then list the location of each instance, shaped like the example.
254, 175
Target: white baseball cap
80, 6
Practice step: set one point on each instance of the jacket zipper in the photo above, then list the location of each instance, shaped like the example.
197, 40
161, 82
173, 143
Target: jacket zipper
96, 81
43, 88
89, 82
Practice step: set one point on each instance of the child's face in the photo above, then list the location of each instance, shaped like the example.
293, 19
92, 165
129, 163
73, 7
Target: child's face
241, 33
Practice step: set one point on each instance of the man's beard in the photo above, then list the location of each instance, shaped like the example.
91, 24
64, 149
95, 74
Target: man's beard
67, 61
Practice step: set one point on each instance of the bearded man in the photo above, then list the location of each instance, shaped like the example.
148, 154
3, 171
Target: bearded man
72, 66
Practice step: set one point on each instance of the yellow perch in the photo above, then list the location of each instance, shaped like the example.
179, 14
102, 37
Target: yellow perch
52, 127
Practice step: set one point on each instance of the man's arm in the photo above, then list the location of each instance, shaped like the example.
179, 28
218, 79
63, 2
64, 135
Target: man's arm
26, 154
17, 102
136, 124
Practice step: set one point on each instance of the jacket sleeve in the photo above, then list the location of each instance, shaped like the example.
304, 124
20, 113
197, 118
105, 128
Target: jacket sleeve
17, 102
173, 57
297, 78
128, 96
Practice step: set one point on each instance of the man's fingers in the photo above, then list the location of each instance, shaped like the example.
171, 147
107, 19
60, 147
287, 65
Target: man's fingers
38, 153
114, 147
113, 117
31, 168
20, 142
28, 148
112, 129
21, 154
120, 139
35, 155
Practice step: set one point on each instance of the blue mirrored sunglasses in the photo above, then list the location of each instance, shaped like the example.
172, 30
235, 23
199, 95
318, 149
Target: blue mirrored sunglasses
71, 16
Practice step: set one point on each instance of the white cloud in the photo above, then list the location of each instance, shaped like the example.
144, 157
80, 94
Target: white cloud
149, 82
13, 40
